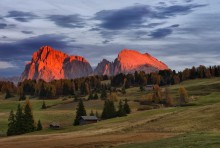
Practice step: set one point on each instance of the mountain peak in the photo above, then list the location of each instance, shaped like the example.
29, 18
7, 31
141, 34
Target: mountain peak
129, 61
49, 64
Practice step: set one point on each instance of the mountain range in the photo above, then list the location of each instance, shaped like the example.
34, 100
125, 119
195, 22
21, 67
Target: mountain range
49, 64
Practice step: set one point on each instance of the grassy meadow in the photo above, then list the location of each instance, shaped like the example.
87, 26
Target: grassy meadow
197, 125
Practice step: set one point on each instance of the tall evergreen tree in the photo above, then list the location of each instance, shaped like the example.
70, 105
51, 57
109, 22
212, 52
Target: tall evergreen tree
8, 94
103, 94
79, 112
28, 117
90, 97
127, 107
19, 121
11, 124
91, 113
95, 97
39, 126
108, 110
121, 112
44, 106
97, 114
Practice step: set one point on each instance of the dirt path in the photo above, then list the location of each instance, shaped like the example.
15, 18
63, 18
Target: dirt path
70, 140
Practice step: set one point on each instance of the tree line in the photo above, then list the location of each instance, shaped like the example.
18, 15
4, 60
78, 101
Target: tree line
92, 85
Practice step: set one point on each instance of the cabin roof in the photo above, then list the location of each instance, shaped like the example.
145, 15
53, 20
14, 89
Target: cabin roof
89, 117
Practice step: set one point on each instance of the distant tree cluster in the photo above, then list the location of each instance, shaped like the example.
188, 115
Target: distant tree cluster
22, 121
8, 88
164, 77
82, 86
164, 96
109, 110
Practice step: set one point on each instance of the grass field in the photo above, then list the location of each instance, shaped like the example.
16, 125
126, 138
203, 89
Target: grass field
191, 126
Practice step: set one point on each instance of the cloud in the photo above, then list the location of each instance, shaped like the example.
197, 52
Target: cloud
27, 32
21, 16
3, 25
94, 29
67, 21
174, 10
5, 65
136, 16
161, 33
105, 41
129, 17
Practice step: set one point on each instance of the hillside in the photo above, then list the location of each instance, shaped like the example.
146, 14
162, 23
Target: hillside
181, 125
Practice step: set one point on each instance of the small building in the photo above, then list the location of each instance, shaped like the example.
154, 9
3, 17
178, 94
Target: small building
54, 125
87, 120
149, 87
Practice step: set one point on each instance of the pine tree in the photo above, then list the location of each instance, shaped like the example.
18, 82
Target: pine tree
44, 106
108, 110
103, 94
28, 118
95, 97
97, 114
123, 91
19, 121
121, 112
127, 107
11, 125
91, 113
90, 97
39, 126
22, 96
79, 112
8, 94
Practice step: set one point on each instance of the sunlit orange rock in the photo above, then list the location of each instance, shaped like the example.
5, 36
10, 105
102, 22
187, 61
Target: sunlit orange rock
49, 64
129, 61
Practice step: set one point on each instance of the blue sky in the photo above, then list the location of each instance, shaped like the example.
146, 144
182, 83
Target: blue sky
181, 33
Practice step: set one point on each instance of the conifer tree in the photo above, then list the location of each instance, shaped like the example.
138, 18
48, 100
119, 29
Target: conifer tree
8, 94
11, 124
22, 96
90, 97
97, 114
44, 106
121, 112
108, 110
39, 126
19, 121
79, 112
103, 94
123, 91
91, 113
28, 117
127, 107
95, 97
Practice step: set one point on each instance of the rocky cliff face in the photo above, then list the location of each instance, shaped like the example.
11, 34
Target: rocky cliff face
49, 64
129, 61
104, 68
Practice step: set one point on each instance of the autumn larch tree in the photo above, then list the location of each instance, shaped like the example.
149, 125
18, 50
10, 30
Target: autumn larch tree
183, 95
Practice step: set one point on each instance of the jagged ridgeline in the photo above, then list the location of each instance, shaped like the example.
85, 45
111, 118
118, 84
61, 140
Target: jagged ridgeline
49, 64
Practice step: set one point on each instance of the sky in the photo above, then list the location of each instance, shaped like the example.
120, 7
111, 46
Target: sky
181, 33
